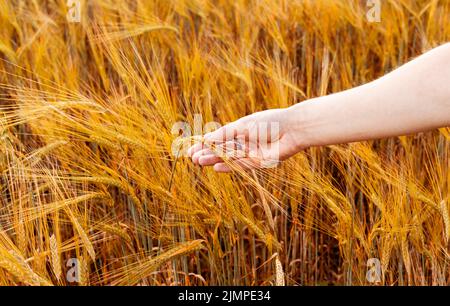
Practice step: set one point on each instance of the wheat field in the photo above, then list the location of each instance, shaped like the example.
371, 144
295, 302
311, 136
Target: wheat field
92, 194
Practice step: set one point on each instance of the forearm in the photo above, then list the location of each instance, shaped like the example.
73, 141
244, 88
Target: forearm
413, 98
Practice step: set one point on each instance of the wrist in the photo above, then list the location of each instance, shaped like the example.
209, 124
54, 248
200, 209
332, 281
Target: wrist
304, 123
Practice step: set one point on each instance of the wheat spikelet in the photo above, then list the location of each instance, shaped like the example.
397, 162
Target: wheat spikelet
405, 255
15, 269
101, 180
34, 279
21, 235
342, 215
446, 218
79, 229
265, 205
254, 228
55, 260
386, 255
116, 231
113, 182
83, 272
135, 274
14, 263
35, 213
131, 142
36, 155
39, 153
279, 274
103, 141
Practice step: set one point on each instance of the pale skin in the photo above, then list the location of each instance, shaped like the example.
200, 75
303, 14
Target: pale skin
413, 98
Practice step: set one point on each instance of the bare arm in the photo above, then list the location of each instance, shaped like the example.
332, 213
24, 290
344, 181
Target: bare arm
413, 98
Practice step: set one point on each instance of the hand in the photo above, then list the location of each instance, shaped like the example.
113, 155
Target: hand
259, 140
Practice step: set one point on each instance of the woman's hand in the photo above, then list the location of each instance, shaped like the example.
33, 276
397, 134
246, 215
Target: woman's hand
259, 140
413, 98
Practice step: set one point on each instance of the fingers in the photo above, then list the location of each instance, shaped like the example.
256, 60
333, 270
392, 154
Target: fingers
222, 168
201, 153
232, 155
221, 135
227, 142
209, 160
195, 148
226, 133
230, 149
206, 156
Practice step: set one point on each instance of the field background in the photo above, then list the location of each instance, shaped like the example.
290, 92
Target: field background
90, 188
